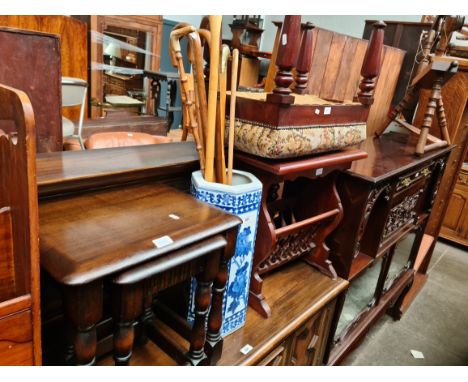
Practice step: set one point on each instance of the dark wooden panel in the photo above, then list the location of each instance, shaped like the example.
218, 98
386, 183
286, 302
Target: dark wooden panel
386, 83
73, 44
30, 61
332, 68
7, 266
19, 222
16, 340
319, 60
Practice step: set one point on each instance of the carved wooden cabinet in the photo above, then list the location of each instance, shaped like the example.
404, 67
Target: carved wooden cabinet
455, 225
385, 197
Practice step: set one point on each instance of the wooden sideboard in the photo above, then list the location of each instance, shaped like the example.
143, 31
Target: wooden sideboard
294, 335
455, 225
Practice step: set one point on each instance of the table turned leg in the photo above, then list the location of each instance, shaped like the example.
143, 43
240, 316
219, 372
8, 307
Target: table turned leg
127, 302
84, 309
196, 354
214, 340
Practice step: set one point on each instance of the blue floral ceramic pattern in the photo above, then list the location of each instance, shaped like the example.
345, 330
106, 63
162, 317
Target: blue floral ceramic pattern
246, 206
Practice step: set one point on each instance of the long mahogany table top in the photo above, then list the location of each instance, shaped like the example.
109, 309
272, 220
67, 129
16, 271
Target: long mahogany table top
73, 170
86, 236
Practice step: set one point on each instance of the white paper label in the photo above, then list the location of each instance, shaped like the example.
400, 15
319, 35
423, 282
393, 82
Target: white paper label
327, 110
246, 349
317, 111
417, 354
319, 171
284, 39
162, 241
174, 216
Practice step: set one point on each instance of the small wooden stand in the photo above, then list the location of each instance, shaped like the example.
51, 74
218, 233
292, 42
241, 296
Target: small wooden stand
432, 78
297, 222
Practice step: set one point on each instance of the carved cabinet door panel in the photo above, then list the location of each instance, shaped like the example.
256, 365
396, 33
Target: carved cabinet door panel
455, 225
277, 357
308, 342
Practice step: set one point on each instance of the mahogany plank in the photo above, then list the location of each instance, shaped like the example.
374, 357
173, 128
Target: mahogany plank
332, 68
319, 61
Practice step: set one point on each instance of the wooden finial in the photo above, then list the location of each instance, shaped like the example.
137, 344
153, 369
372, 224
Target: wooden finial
371, 65
286, 59
305, 59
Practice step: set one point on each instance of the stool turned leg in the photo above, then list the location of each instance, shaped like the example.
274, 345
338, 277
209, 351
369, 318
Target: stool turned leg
196, 354
429, 115
127, 303
84, 309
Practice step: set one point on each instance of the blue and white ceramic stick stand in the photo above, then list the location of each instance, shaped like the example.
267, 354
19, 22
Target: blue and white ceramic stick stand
242, 198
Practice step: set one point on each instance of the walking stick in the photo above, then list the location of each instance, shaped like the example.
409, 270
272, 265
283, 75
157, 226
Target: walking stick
232, 113
215, 28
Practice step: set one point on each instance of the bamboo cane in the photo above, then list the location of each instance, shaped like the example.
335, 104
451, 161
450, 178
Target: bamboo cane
196, 59
232, 113
176, 35
215, 28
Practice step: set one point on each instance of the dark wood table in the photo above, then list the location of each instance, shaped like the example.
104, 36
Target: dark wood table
100, 211
385, 197
87, 238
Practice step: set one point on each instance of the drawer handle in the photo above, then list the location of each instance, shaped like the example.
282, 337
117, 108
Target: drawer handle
312, 343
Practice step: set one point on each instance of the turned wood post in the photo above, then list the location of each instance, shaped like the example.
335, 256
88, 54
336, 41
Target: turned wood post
429, 114
196, 354
83, 306
305, 59
286, 59
371, 65
127, 304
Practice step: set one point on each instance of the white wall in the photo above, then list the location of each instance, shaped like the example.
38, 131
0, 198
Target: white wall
350, 25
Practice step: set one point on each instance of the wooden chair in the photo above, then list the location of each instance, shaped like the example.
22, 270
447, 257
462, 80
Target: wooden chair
20, 327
